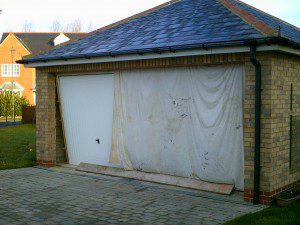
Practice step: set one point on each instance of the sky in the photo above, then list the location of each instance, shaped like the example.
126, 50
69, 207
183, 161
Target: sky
97, 13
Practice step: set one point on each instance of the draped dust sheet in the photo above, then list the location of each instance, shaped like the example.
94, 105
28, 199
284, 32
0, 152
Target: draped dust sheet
183, 121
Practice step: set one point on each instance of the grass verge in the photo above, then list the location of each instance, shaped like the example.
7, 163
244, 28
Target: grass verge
17, 146
289, 215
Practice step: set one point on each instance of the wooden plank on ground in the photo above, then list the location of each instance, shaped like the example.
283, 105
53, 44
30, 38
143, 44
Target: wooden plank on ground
225, 189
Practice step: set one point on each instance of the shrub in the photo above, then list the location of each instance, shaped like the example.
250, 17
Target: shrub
6, 103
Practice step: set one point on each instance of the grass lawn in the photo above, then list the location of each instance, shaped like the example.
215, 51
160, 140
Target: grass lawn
17, 146
289, 215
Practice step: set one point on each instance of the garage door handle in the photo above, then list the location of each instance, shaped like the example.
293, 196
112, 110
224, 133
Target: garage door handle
98, 141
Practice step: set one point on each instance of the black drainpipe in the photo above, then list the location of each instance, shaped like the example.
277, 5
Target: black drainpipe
257, 65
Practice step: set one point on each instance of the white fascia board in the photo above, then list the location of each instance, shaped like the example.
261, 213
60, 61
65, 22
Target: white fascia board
129, 57
279, 48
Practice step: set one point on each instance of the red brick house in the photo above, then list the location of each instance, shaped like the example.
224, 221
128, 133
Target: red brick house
15, 45
203, 89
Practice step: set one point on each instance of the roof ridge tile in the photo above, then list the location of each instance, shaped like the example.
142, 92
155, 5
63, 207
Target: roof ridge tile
250, 19
267, 14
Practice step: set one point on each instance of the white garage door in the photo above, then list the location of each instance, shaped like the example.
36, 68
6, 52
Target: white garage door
87, 108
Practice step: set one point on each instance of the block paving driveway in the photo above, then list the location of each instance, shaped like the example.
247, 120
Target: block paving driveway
64, 196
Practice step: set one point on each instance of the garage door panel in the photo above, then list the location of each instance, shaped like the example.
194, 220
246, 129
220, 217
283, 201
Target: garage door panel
87, 108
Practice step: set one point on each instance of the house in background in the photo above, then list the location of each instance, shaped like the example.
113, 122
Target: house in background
204, 89
13, 46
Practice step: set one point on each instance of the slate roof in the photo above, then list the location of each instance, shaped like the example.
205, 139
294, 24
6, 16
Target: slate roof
36, 42
182, 24
287, 30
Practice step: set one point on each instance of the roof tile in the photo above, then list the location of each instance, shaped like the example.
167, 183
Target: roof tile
178, 24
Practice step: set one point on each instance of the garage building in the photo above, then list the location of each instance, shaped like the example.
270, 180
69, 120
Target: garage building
207, 90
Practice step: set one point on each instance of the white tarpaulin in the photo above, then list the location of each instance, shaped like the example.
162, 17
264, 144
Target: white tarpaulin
183, 121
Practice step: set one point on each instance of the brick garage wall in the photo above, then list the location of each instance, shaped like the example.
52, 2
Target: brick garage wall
249, 124
49, 136
285, 70
50, 147
45, 119
278, 72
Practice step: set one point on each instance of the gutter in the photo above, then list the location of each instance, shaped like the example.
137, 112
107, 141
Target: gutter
140, 56
257, 65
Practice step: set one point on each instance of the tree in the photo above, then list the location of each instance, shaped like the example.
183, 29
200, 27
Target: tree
19, 103
27, 26
89, 27
74, 26
6, 103
56, 26
9, 30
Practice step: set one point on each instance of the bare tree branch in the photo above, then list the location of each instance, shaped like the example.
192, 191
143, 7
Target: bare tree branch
27, 26
56, 26
89, 27
74, 26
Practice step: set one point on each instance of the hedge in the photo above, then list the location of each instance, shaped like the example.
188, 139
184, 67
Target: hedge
6, 103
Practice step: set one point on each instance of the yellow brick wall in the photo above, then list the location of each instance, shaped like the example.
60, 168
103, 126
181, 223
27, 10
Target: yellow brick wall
278, 72
249, 124
285, 70
45, 119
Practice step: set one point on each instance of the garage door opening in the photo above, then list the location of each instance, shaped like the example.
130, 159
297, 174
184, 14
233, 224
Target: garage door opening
185, 122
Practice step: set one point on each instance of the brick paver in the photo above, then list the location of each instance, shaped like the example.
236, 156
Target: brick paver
62, 196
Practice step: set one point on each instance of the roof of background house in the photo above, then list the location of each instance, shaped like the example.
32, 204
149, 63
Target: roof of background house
178, 24
38, 41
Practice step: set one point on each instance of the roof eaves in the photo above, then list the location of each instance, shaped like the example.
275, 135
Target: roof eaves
253, 21
207, 46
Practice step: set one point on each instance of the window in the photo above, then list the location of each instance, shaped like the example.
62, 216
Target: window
8, 70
